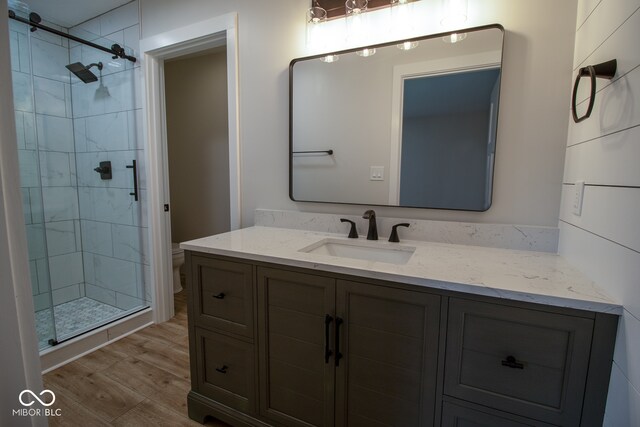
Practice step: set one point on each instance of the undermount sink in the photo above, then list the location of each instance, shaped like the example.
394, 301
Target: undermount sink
366, 250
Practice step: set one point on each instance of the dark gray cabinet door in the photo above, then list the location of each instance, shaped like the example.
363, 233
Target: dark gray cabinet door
225, 370
389, 345
454, 415
296, 382
527, 362
223, 295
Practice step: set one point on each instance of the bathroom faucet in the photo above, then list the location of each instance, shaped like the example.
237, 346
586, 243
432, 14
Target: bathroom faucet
373, 228
353, 233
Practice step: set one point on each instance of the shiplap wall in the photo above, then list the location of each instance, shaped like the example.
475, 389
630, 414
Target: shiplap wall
604, 152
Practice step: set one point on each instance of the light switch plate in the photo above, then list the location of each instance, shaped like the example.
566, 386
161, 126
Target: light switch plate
578, 193
376, 173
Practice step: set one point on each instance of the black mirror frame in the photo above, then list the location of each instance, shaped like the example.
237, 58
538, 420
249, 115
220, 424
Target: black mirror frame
391, 43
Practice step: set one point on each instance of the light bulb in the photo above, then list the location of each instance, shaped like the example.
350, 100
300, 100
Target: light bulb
408, 45
366, 52
329, 58
455, 37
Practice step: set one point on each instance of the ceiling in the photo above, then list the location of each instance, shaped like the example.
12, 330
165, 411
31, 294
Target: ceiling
66, 13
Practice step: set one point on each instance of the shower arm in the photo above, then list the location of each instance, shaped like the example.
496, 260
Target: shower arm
116, 50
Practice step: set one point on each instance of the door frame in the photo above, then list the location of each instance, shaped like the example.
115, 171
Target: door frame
203, 35
403, 72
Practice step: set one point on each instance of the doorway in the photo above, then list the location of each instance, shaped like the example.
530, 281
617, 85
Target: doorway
197, 148
193, 44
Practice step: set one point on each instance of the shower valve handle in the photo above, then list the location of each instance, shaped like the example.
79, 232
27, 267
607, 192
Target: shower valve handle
104, 170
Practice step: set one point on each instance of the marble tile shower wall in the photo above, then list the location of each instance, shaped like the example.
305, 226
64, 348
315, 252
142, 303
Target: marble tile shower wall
42, 98
107, 121
96, 234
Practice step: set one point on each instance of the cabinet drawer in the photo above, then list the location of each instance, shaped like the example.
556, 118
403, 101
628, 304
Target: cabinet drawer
454, 415
225, 370
223, 295
526, 362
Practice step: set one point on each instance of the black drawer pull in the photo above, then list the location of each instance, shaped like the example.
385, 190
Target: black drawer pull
222, 370
512, 363
221, 295
327, 352
339, 322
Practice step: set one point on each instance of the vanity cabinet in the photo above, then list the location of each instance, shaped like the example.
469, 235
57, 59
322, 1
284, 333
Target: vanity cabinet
225, 369
335, 352
528, 362
286, 346
296, 370
463, 415
388, 342
221, 318
223, 297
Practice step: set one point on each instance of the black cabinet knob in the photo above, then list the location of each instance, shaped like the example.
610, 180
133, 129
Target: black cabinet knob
221, 295
222, 370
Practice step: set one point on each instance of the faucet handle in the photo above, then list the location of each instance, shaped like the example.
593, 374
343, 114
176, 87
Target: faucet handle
353, 233
394, 231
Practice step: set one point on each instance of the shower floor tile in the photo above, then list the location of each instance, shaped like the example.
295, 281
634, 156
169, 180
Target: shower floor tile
73, 316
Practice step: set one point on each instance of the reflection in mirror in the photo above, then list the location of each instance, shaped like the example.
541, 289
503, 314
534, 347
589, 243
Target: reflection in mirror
447, 144
414, 128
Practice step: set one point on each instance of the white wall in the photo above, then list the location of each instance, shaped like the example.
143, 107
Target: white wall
198, 145
533, 113
604, 151
19, 356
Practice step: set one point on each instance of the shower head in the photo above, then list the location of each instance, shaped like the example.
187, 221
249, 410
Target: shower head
82, 72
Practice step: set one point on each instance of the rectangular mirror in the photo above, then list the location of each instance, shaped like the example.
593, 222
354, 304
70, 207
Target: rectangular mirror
398, 127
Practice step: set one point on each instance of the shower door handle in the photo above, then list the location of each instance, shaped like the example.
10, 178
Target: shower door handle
135, 180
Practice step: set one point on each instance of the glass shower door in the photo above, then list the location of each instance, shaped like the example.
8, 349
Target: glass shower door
107, 119
87, 231
31, 185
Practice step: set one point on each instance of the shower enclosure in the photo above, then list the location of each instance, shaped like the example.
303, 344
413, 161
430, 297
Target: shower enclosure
81, 151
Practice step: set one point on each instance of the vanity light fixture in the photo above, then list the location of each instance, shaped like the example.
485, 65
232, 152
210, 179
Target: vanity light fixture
356, 26
355, 7
366, 52
408, 45
401, 18
454, 15
454, 12
316, 15
330, 58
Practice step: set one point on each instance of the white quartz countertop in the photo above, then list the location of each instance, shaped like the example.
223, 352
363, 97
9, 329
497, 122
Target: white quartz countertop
536, 277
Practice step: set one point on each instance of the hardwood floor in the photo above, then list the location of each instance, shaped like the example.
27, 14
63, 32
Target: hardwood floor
140, 380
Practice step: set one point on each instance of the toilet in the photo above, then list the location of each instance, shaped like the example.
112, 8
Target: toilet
177, 256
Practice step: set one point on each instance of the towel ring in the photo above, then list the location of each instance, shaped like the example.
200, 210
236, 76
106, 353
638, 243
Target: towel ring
605, 70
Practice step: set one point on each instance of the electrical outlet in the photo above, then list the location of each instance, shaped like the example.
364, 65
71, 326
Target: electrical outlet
376, 173
578, 193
